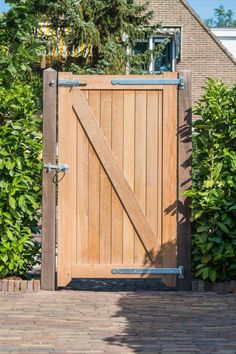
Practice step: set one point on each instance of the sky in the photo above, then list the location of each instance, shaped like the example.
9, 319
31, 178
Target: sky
204, 8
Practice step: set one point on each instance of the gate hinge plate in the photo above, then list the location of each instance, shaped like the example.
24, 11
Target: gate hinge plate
60, 167
162, 271
70, 83
143, 82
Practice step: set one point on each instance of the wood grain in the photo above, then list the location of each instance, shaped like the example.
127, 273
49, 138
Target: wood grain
67, 206
49, 187
96, 137
169, 178
94, 188
128, 169
105, 185
184, 179
82, 193
95, 271
140, 164
122, 146
117, 150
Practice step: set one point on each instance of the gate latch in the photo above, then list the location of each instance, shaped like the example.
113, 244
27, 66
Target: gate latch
60, 167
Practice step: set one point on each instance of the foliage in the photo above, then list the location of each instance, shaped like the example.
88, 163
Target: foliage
20, 143
214, 184
97, 27
222, 18
20, 47
103, 31
20, 168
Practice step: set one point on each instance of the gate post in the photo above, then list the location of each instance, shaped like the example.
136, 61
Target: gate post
49, 187
184, 148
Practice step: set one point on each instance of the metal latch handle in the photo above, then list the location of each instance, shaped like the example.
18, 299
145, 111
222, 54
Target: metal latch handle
60, 167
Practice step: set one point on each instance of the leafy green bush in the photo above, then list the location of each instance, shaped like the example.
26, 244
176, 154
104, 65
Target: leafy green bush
20, 182
214, 184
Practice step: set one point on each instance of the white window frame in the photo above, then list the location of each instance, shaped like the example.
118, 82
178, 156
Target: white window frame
173, 52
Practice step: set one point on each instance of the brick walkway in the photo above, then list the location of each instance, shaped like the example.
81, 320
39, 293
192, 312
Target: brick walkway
117, 322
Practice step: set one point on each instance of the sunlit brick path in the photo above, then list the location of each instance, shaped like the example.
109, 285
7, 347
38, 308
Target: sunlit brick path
117, 322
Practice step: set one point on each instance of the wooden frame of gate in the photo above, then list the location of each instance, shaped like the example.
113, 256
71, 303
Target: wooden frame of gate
87, 120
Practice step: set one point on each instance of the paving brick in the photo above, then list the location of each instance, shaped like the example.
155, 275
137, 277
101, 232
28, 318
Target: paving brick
10, 285
201, 285
117, 322
17, 285
23, 285
36, 284
195, 285
30, 285
5, 285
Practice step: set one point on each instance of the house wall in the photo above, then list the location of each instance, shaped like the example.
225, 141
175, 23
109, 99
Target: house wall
200, 53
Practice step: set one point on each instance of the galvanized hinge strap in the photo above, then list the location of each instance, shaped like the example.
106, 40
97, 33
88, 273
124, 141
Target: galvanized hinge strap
69, 83
60, 167
179, 82
162, 271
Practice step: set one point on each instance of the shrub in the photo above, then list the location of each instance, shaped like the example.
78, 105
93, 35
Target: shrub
214, 184
20, 183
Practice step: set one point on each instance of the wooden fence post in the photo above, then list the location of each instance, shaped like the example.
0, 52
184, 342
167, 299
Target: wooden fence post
49, 187
184, 180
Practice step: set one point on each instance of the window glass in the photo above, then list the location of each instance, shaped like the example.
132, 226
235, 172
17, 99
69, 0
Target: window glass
164, 61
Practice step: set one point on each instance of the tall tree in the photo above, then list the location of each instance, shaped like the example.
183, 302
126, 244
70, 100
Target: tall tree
222, 18
98, 34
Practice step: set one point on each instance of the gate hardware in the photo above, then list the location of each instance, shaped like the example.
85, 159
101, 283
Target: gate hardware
60, 167
167, 271
70, 83
179, 82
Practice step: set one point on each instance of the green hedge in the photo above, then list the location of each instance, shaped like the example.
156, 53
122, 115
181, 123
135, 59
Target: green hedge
214, 184
20, 183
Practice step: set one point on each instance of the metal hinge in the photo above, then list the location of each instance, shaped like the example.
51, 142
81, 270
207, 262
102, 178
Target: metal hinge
162, 271
179, 82
68, 83
60, 167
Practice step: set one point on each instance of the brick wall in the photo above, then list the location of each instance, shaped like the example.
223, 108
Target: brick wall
200, 53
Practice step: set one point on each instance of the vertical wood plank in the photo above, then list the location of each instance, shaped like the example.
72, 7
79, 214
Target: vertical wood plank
118, 180
128, 167
67, 212
169, 178
94, 188
117, 149
105, 185
152, 161
82, 194
49, 187
160, 172
184, 180
140, 164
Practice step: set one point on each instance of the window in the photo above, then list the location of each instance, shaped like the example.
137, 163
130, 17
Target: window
166, 61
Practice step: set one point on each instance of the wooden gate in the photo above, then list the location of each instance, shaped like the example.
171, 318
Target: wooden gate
117, 203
